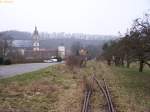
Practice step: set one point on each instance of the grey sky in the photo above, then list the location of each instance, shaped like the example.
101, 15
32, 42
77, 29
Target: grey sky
71, 16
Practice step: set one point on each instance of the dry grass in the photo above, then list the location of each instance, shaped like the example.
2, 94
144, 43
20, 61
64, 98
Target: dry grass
49, 90
136, 87
58, 89
129, 88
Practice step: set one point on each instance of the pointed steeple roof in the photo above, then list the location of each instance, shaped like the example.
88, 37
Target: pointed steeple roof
35, 31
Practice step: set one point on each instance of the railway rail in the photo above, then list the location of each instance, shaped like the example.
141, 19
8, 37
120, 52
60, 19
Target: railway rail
86, 103
103, 89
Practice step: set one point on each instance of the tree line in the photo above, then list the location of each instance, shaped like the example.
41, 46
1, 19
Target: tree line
8, 53
134, 46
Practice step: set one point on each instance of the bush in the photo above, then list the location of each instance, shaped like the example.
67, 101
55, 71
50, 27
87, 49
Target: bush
1, 60
75, 61
7, 62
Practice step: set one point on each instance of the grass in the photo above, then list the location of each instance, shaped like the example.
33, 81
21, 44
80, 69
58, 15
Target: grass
130, 89
57, 89
28, 77
136, 84
40, 91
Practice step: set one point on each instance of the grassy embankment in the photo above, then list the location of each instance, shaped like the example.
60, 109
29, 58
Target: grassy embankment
53, 89
57, 89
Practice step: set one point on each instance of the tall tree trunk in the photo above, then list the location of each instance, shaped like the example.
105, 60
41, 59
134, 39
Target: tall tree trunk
141, 66
122, 61
128, 64
109, 62
116, 61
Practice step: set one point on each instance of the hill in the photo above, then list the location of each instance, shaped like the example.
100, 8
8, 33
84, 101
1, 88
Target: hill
52, 40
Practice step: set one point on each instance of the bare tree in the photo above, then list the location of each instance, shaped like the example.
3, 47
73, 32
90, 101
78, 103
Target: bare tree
133, 47
75, 48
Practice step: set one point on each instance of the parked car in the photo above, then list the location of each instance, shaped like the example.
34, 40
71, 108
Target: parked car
51, 60
48, 61
54, 60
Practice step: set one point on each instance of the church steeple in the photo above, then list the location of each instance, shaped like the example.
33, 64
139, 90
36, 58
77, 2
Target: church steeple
35, 37
36, 31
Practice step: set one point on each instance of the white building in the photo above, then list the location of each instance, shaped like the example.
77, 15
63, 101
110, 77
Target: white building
61, 51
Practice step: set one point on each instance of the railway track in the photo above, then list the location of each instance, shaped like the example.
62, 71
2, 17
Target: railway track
103, 89
86, 103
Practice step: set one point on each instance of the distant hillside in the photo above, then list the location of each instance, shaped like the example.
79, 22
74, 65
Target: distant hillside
53, 43
52, 40
17, 35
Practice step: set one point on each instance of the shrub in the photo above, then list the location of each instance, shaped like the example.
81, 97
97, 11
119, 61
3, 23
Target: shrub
75, 61
7, 62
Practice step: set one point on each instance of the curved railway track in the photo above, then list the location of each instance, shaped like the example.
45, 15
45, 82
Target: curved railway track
103, 89
86, 103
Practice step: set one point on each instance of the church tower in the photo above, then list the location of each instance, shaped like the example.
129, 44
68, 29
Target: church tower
35, 37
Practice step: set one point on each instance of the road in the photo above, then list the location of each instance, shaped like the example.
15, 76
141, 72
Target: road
11, 70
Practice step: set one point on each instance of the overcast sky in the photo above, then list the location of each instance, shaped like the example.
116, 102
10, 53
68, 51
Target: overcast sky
71, 16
